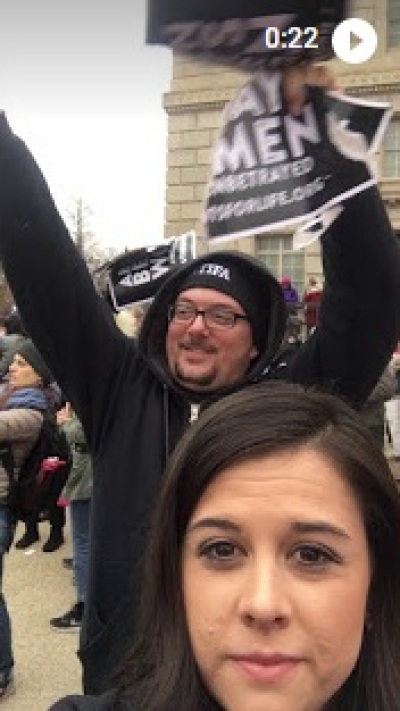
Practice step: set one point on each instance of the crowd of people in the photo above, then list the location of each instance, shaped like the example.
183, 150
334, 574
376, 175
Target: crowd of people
266, 577
29, 395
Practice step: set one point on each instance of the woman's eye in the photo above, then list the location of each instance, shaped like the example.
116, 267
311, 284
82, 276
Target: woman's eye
315, 556
218, 550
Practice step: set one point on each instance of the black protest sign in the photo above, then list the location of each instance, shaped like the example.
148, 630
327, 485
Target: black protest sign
248, 34
135, 276
272, 169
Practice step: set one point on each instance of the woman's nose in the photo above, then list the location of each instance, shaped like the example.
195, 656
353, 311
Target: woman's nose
265, 595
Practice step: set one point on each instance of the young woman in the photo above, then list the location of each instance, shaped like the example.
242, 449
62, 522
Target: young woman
272, 581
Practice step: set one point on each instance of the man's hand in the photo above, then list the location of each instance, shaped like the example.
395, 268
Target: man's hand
296, 79
64, 414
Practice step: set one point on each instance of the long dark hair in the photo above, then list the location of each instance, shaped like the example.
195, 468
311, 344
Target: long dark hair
160, 672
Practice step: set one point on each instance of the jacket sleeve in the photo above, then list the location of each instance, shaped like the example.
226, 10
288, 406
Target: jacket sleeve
69, 322
385, 388
359, 322
20, 425
106, 702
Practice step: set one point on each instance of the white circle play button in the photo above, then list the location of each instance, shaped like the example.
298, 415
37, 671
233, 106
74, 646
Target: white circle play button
354, 41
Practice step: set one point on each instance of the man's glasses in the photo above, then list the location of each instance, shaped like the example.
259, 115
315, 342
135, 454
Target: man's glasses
214, 317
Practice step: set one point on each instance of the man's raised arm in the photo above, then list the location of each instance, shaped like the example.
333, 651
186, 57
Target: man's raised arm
359, 322
50, 282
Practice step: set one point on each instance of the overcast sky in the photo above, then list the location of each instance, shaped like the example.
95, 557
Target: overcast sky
81, 88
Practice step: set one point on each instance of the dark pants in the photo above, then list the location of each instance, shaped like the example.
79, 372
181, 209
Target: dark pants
6, 655
56, 515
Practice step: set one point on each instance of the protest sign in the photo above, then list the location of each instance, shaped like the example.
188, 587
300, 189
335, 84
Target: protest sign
135, 276
247, 34
272, 169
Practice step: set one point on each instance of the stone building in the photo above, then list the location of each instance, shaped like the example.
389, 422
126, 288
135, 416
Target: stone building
194, 106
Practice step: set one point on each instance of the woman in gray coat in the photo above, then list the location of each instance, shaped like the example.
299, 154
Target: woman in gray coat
23, 403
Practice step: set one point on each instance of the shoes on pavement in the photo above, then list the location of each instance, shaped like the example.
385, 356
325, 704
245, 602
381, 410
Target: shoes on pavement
71, 621
54, 542
7, 688
29, 537
68, 563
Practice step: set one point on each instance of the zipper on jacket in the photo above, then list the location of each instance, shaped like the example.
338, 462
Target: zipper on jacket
194, 413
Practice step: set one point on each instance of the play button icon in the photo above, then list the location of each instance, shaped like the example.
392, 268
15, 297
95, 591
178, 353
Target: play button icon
354, 41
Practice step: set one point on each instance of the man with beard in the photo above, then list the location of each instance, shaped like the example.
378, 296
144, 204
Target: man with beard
215, 325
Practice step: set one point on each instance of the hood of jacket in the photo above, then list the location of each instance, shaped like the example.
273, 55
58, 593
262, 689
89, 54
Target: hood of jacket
153, 332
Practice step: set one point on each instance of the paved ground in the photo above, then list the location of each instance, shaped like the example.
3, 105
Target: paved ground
37, 587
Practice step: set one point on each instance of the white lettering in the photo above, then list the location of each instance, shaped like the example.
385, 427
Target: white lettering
247, 101
215, 270
234, 32
270, 84
266, 140
251, 206
142, 277
239, 152
232, 157
159, 267
261, 176
297, 130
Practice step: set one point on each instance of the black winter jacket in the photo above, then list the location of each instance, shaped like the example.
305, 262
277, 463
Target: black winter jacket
105, 702
130, 408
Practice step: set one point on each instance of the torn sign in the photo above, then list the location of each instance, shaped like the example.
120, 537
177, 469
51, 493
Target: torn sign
272, 169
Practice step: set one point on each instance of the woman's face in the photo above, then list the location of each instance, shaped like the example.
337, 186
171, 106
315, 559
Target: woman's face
21, 374
276, 573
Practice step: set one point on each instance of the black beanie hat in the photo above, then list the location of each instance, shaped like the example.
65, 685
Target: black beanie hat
225, 276
30, 353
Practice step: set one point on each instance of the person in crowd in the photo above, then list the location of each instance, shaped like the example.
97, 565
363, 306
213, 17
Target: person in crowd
78, 492
311, 304
395, 362
10, 340
125, 320
54, 513
215, 325
129, 320
269, 577
291, 297
139, 313
290, 294
22, 407
373, 411
392, 409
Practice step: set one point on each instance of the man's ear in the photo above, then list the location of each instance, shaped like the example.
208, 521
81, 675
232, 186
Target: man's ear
254, 353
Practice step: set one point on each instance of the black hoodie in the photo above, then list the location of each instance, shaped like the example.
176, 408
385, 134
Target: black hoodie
131, 410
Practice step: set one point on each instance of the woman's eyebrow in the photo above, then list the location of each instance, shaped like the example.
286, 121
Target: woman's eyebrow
319, 527
222, 523
297, 526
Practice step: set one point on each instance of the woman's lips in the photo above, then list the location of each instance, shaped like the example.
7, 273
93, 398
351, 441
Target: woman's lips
267, 668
